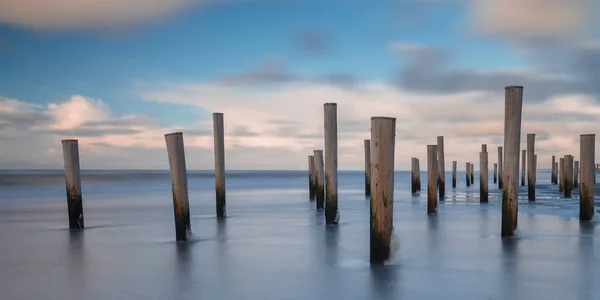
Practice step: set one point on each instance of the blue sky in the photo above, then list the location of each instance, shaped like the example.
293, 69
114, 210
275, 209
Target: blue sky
202, 43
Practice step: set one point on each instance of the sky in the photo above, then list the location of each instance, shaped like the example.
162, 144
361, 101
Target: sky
119, 74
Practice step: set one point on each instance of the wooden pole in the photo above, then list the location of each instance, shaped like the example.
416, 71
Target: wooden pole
500, 168
383, 135
219, 139
556, 173
523, 168
311, 177
432, 177
483, 177
181, 207
587, 150
530, 166
331, 163
441, 168
576, 174
472, 173
73, 183
512, 140
454, 174
414, 183
569, 175
418, 175
553, 176
467, 171
319, 178
495, 173
367, 146
534, 168
563, 177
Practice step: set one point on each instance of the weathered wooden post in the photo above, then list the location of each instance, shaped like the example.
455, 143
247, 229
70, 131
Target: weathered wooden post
576, 174
418, 175
454, 174
467, 171
367, 145
383, 136
181, 206
556, 173
500, 167
535, 168
495, 172
563, 176
441, 168
523, 157
414, 184
513, 109
73, 183
483, 176
311, 177
569, 175
319, 178
553, 174
472, 173
332, 214
432, 177
219, 138
587, 150
530, 166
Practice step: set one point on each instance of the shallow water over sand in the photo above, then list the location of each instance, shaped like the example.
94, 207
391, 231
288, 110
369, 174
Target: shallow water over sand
275, 245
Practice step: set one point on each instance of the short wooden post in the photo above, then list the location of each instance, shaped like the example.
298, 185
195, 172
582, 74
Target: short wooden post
553, 174
311, 177
432, 177
332, 214
530, 166
483, 177
319, 179
219, 139
418, 175
441, 168
383, 135
587, 150
472, 173
576, 174
367, 146
181, 207
556, 173
523, 168
454, 174
569, 175
500, 167
563, 176
467, 171
495, 172
534, 168
413, 175
512, 140
73, 183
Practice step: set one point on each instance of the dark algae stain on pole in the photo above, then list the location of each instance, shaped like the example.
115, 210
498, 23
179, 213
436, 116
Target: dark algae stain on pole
73, 183
512, 139
383, 133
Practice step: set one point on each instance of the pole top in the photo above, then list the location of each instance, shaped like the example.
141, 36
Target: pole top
383, 118
217, 114
330, 104
510, 87
174, 134
69, 141
588, 134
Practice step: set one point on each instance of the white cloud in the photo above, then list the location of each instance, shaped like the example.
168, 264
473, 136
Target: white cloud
64, 14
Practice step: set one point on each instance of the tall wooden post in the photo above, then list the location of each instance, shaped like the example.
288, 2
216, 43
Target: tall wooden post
569, 175
383, 136
563, 176
495, 173
530, 166
367, 146
523, 168
181, 206
483, 177
535, 168
512, 140
418, 175
553, 176
472, 174
311, 177
500, 168
454, 174
219, 138
432, 177
332, 214
587, 150
467, 171
319, 179
441, 168
576, 174
414, 184
73, 183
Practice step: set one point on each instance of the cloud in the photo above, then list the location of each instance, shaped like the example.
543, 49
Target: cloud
68, 14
